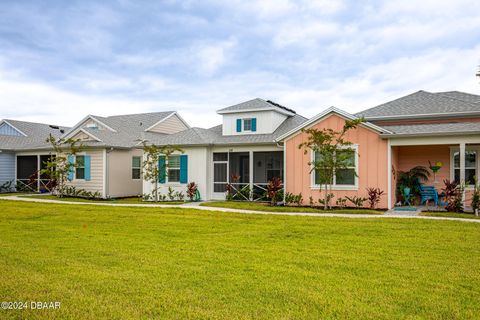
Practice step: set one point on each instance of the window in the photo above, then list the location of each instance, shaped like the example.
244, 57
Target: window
247, 124
470, 166
173, 169
342, 177
80, 167
136, 167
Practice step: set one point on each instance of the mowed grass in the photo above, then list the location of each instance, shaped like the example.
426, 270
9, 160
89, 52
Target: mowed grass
449, 214
262, 206
130, 200
131, 263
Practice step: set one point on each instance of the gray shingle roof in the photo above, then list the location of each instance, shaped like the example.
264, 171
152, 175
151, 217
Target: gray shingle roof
435, 128
213, 136
423, 103
468, 97
37, 134
130, 129
256, 104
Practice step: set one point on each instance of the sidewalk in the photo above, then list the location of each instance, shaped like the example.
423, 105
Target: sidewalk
196, 206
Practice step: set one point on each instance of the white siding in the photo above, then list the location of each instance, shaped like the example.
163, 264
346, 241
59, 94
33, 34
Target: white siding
171, 125
96, 172
197, 172
267, 122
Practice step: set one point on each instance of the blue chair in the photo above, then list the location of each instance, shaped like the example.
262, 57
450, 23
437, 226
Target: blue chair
428, 193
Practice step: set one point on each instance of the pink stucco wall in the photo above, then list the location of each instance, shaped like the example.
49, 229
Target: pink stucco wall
372, 162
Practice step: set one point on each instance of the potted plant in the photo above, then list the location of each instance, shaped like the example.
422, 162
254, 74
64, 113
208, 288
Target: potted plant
408, 181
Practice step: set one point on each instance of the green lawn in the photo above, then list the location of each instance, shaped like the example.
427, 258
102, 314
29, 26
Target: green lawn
449, 214
259, 206
130, 263
131, 200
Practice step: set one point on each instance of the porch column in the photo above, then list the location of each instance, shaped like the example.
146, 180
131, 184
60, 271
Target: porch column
38, 173
462, 167
250, 173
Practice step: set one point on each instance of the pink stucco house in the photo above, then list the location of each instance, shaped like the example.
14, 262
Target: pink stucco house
398, 135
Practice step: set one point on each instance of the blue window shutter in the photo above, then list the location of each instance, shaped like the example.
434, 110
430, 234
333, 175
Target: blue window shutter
87, 168
254, 124
71, 171
183, 168
161, 169
239, 125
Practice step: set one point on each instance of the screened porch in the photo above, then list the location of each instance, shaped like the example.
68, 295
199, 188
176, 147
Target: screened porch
245, 174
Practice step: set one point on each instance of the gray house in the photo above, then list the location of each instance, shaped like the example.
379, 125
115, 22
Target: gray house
23, 150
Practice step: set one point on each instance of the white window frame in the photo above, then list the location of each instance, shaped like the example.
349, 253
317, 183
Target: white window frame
334, 186
167, 169
243, 124
139, 168
452, 163
75, 168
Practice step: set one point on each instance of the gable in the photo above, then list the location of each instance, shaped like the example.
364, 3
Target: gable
82, 136
8, 130
169, 125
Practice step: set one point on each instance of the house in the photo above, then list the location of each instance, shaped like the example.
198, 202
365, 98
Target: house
23, 151
242, 151
398, 135
110, 162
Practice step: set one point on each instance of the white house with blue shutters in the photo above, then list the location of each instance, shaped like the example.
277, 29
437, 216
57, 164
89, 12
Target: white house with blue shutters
241, 151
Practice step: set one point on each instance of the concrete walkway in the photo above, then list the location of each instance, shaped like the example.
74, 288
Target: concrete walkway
196, 206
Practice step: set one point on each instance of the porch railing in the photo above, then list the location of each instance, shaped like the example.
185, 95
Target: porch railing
242, 191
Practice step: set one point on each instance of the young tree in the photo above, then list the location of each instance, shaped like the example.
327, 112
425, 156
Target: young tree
59, 166
332, 153
152, 170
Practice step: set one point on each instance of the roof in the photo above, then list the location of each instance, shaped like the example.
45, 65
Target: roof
257, 104
434, 129
425, 104
325, 113
123, 131
214, 136
35, 137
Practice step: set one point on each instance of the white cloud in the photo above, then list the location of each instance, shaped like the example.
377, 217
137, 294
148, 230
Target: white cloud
213, 57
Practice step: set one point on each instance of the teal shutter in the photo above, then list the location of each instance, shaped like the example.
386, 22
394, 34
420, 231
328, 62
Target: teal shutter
162, 169
239, 125
71, 171
183, 168
87, 168
254, 124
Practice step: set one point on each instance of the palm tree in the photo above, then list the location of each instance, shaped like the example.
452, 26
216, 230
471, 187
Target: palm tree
411, 178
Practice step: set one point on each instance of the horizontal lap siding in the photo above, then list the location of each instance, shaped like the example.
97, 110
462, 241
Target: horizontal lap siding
7, 167
169, 126
96, 172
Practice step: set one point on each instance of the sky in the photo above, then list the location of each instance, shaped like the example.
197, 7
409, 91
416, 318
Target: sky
62, 60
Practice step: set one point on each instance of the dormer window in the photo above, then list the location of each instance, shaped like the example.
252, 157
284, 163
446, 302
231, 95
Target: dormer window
247, 124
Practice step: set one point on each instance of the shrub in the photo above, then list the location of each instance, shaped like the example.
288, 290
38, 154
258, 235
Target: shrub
298, 199
311, 201
453, 195
328, 198
357, 201
192, 188
179, 195
341, 202
374, 195
289, 198
273, 188
171, 194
